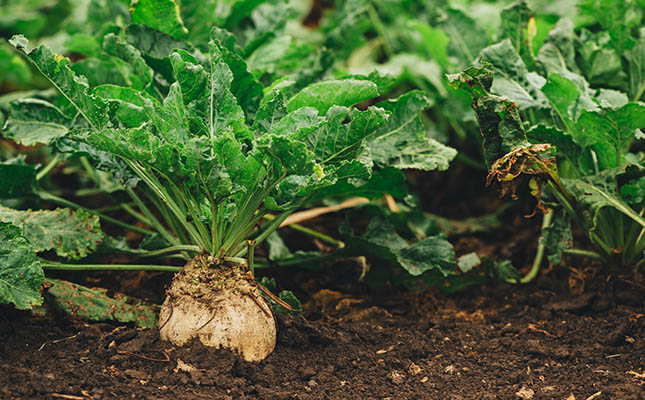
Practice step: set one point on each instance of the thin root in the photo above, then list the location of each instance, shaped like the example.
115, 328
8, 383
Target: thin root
207, 322
172, 309
255, 300
144, 357
274, 297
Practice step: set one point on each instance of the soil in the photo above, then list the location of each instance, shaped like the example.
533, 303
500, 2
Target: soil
500, 342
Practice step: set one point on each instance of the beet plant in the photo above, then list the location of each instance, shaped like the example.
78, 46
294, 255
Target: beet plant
567, 117
213, 163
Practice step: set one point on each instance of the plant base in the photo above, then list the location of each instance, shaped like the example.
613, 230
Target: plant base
221, 307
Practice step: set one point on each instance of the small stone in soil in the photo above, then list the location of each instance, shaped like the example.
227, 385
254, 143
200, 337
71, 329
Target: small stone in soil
396, 377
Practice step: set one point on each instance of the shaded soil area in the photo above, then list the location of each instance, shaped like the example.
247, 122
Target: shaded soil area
504, 342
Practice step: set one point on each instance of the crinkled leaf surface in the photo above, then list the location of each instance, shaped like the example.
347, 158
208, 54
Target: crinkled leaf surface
466, 37
162, 15
596, 193
512, 77
340, 137
611, 14
498, 117
96, 305
35, 121
557, 236
72, 234
607, 131
141, 76
20, 271
381, 241
401, 141
57, 69
557, 54
516, 28
244, 85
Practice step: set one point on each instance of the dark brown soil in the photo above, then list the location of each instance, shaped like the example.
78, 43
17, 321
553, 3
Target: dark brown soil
505, 342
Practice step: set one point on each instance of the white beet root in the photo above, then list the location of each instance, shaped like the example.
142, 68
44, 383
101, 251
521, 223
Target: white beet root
221, 308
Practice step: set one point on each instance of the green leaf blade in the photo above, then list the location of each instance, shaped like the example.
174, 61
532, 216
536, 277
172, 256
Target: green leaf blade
72, 234
20, 273
323, 95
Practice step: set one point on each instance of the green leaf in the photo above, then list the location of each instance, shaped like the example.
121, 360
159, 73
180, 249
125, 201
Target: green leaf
82, 43
33, 121
345, 27
20, 271
76, 146
155, 47
239, 10
277, 248
611, 14
244, 86
95, 305
435, 42
224, 108
323, 95
557, 236
130, 103
563, 95
593, 195
386, 181
341, 137
75, 88
433, 252
634, 192
598, 60
288, 297
72, 234
14, 69
141, 76
636, 60
401, 141
380, 241
515, 27
608, 131
558, 53
512, 78
287, 151
563, 141
468, 261
162, 15
467, 38
16, 180
170, 118
190, 75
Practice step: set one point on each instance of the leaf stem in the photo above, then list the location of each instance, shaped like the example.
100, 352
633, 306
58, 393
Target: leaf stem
47, 168
583, 253
48, 196
293, 261
106, 267
311, 232
171, 249
154, 222
539, 255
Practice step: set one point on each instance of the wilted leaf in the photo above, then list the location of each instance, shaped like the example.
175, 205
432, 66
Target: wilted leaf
94, 304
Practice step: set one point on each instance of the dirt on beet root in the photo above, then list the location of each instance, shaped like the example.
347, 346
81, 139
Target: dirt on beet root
504, 342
